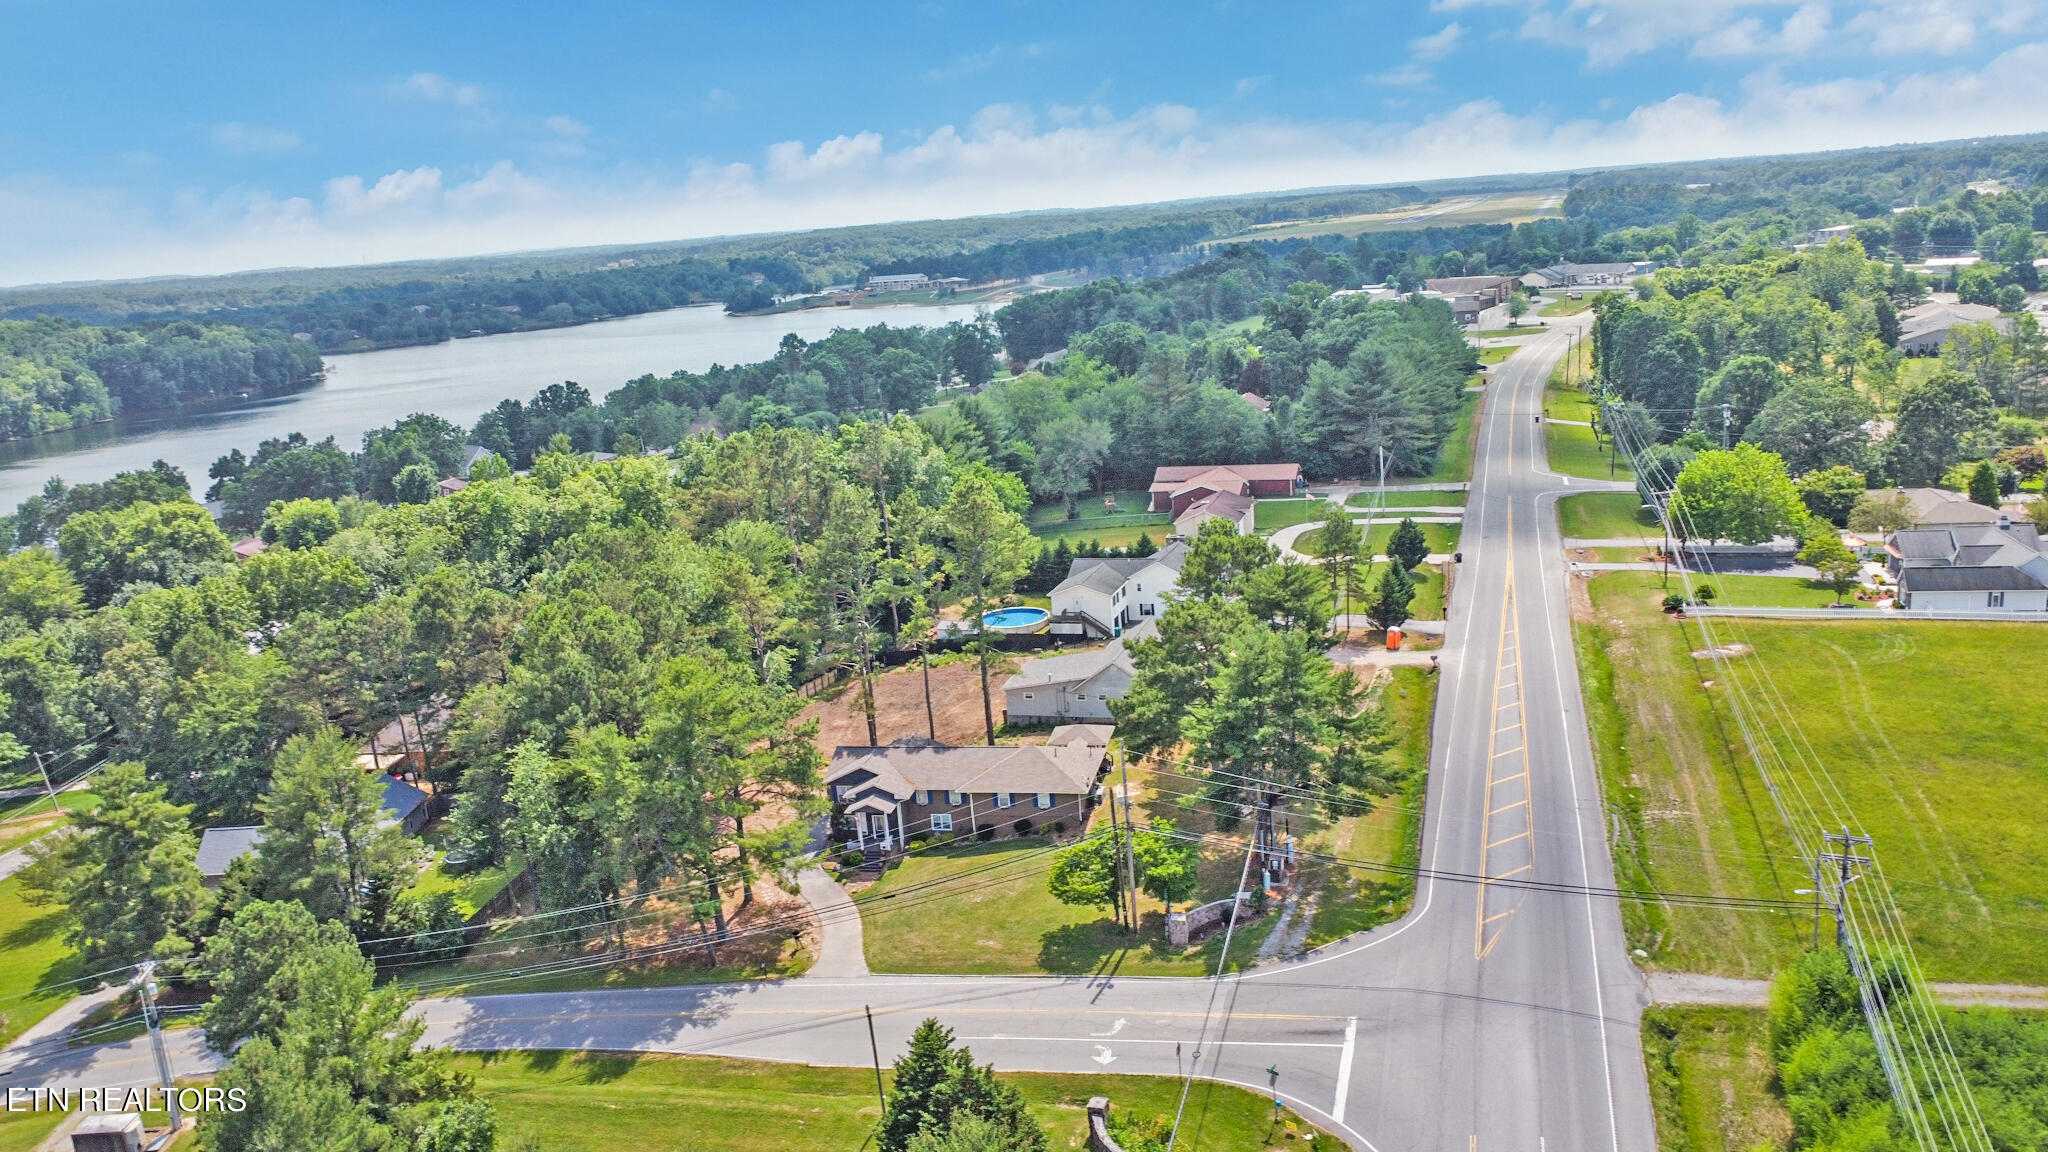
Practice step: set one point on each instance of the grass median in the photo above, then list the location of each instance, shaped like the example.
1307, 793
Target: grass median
1896, 712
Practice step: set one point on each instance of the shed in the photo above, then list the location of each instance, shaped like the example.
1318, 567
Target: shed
108, 1132
410, 807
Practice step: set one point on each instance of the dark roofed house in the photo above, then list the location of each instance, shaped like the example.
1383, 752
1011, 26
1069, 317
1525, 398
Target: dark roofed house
1997, 567
220, 847
1227, 506
1923, 330
1073, 685
1174, 488
410, 808
920, 787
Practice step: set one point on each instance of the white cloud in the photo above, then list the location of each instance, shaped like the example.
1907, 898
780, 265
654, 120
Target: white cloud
1250, 84
253, 139
567, 126
1611, 31
1437, 45
1005, 158
719, 98
438, 89
1407, 75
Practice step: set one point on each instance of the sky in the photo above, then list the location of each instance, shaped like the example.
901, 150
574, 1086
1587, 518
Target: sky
174, 138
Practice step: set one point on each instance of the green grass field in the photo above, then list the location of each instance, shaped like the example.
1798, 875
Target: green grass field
600, 1102
1565, 307
1496, 355
1273, 515
472, 889
1052, 514
1574, 452
1454, 498
35, 962
1529, 329
1710, 1074
1949, 788
984, 910
1356, 899
1606, 515
1120, 536
1767, 591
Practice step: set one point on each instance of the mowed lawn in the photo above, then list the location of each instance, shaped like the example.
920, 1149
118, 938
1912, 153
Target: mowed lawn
35, 963
1605, 516
1273, 515
1115, 535
1574, 452
1352, 898
984, 910
1452, 498
602, 1102
1923, 727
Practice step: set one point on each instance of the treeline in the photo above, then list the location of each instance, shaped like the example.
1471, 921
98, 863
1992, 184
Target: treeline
1798, 354
56, 374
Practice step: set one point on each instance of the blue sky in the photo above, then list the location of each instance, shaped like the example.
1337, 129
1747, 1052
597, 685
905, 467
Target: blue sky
145, 139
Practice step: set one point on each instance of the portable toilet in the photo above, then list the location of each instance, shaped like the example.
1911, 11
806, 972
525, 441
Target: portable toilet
1394, 639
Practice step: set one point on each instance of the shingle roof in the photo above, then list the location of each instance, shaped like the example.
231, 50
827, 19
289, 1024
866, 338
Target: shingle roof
220, 847
402, 798
1066, 763
1074, 667
1940, 506
1105, 574
1179, 473
1228, 505
1994, 578
1970, 558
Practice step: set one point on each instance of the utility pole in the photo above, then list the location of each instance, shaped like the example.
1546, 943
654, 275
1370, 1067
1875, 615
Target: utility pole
876, 1050
154, 1021
1116, 868
1727, 422
1130, 840
1844, 861
47, 787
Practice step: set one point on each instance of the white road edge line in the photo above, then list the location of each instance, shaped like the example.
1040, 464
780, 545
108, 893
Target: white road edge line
1344, 1069
1090, 1041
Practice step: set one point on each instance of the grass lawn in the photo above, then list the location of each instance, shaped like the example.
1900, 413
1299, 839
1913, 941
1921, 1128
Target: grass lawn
1574, 452
472, 890
1053, 513
1354, 899
1496, 355
33, 820
1567, 404
34, 961
1710, 1071
1523, 330
1949, 788
592, 1102
1273, 515
1443, 539
1454, 498
1116, 536
1606, 516
1565, 307
984, 910
1770, 592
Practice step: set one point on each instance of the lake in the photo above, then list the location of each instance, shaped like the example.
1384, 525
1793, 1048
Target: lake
459, 380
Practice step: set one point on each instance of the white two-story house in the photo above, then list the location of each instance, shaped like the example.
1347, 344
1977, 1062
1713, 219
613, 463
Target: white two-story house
1103, 595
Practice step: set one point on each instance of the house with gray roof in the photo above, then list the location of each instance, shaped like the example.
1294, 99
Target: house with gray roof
1923, 330
1997, 567
918, 787
221, 847
1103, 595
1073, 685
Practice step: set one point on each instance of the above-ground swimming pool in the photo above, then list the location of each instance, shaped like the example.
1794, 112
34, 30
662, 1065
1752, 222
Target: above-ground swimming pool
1015, 619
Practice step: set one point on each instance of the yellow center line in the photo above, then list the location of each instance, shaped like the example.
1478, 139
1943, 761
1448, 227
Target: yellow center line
1507, 681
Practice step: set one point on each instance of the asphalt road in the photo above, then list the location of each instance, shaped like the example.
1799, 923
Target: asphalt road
1492, 1017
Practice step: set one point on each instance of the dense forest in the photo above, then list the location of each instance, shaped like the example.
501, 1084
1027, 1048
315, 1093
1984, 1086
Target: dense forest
55, 374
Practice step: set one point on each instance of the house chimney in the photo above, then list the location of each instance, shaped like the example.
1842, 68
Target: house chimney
2004, 521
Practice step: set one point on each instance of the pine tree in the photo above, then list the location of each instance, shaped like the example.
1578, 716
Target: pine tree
1391, 597
1984, 485
1144, 546
1408, 544
920, 1075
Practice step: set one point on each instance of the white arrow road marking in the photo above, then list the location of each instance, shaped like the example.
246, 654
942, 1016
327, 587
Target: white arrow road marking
1113, 1028
1344, 1069
1102, 1056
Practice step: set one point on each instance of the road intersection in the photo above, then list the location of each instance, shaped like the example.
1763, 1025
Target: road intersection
1496, 1015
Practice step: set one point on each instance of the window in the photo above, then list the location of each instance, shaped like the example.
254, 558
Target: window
1141, 587
1027, 695
1145, 609
1005, 800
952, 797
923, 797
1994, 599
942, 821
839, 791
1043, 800
1080, 695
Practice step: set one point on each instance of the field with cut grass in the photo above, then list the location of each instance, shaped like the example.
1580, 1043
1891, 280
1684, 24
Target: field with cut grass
1273, 515
35, 962
1917, 726
1566, 307
602, 1102
1574, 452
1606, 516
1497, 355
1454, 498
1351, 899
1114, 536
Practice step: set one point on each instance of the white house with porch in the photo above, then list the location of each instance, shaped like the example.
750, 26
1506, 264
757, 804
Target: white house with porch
1103, 595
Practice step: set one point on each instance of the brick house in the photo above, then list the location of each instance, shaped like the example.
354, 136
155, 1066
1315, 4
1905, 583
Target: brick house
920, 787
1175, 488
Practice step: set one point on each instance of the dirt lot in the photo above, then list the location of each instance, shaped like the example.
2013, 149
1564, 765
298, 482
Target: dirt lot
899, 706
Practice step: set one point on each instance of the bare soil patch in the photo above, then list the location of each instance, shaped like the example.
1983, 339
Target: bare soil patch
899, 706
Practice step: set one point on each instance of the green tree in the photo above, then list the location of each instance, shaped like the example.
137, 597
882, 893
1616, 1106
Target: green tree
1826, 554
1741, 495
1518, 305
1407, 544
1939, 422
938, 1088
326, 840
1070, 449
257, 963
415, 484
164, 544
1984, 485
300, 524
1219, 560
35, 588
987, 548
125, 875
489, 466
1881, 511
1338, 542
1166, 863
1085, 874
1831, 493
1393, 595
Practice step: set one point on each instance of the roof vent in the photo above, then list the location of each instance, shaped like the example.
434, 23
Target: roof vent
2004, 521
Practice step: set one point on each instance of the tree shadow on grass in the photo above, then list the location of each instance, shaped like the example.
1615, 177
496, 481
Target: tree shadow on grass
34, 931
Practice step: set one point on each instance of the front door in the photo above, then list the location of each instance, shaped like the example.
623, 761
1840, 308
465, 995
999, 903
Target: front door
878, 829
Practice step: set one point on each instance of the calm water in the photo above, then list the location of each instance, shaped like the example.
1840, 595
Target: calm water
459, 380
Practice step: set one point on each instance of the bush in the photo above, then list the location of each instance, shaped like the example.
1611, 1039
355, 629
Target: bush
852, 859
984, 832
917, 843
1674, 602
1022, 827
1704, 593
1059, 827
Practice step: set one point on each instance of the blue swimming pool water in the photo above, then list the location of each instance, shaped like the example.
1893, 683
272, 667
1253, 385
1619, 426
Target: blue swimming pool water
1014, 617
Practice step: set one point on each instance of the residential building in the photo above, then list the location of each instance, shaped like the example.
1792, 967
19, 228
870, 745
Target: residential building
1256, 401
1997, 567
1073, 685
1173, 489
1836, 232
1103, 595
898, 283
1941, 508
1466, 309
249, 546
1215, 506
221, 847
1490, 290
471, 453
408, 807
920, 787
1923, 330
1612, 275
451, 485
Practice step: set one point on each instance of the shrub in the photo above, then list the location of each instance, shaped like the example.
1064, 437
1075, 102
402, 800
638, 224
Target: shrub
1674, 602
852, 859
917, 843
984, 832
1022, 827
1059, 827
1704, 593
